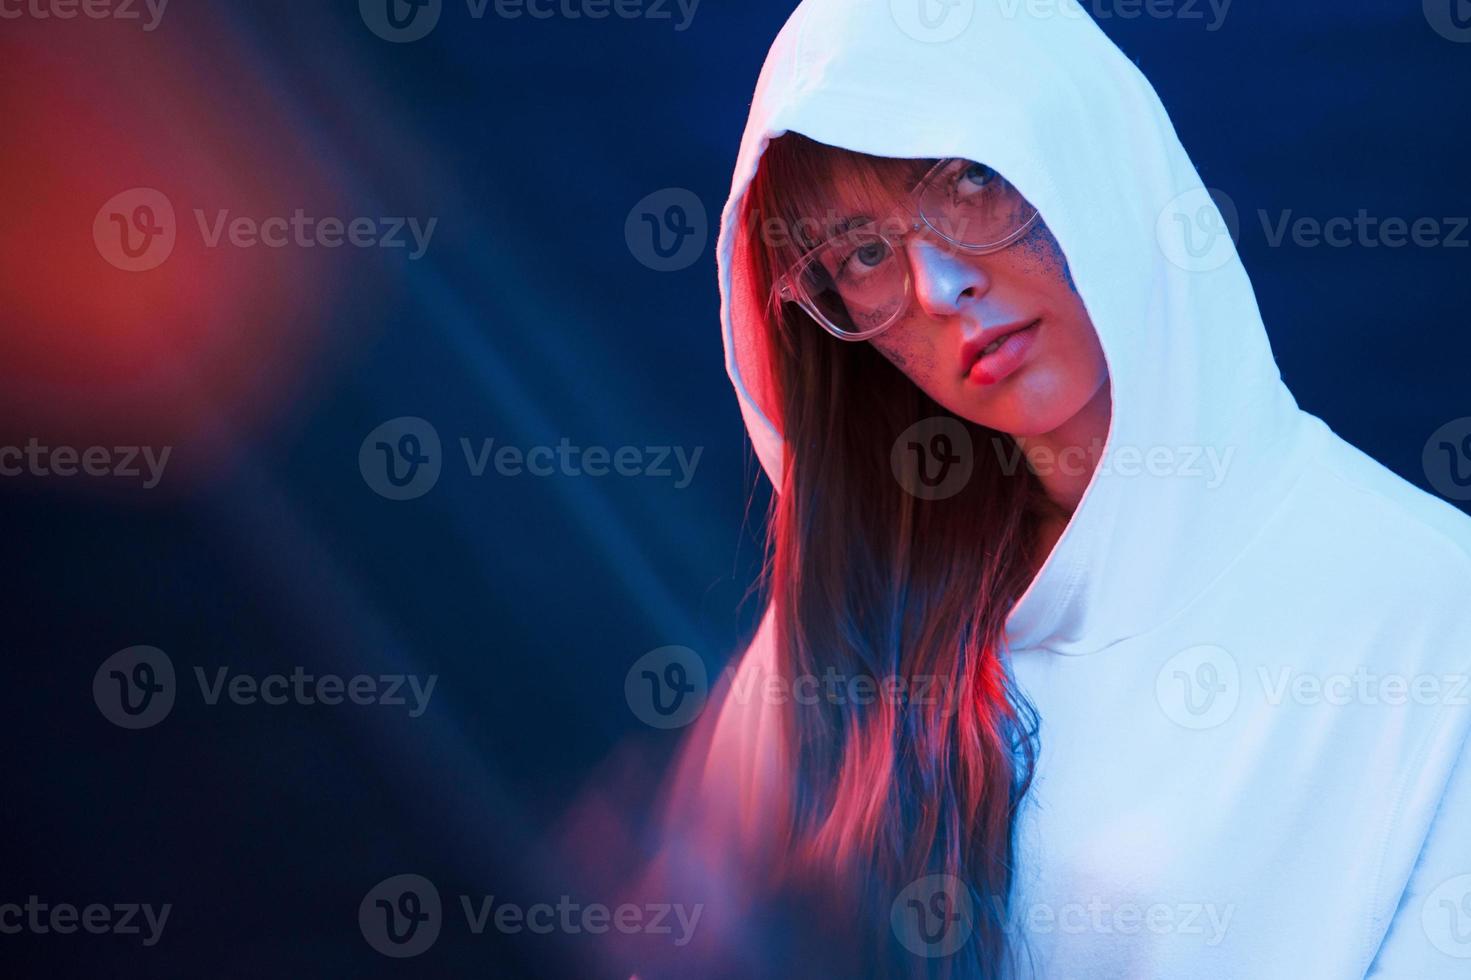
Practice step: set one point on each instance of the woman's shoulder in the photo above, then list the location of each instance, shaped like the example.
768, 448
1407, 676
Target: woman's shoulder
1403, 507
1407, 543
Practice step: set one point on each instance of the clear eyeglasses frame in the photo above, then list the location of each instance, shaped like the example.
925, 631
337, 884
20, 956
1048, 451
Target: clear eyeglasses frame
860, 282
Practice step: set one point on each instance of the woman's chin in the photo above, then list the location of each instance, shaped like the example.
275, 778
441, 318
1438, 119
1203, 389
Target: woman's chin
1034, 402
1019, 414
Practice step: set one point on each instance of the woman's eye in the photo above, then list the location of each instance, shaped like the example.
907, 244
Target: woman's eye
975, 177
871, 254
863, 258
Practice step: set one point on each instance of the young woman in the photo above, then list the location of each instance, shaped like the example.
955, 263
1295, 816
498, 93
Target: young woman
1087, 652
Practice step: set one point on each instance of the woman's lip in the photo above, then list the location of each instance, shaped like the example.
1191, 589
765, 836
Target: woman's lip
1004, 360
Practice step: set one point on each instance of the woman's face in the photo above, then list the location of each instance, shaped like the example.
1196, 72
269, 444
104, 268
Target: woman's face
1049, 365
1041, 376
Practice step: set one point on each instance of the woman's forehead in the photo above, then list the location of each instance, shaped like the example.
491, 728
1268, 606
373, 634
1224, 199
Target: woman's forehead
855, 192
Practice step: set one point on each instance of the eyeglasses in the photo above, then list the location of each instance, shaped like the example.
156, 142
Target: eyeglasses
858, 283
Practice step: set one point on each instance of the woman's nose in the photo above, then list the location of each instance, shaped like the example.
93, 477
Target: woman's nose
945, 281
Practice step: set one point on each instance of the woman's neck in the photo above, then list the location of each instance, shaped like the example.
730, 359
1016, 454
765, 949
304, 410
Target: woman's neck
1063, 461
1065, 458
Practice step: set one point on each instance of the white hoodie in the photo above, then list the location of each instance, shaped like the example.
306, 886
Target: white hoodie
1249, 651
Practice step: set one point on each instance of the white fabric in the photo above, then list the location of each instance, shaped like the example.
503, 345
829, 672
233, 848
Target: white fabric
1267, 832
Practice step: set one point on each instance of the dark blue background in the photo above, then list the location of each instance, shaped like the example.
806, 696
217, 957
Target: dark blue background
529, 320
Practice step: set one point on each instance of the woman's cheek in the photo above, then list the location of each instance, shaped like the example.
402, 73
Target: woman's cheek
1041, 256
895, 353
909, 354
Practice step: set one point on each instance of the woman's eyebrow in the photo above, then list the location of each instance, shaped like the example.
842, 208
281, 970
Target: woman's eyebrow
844, 224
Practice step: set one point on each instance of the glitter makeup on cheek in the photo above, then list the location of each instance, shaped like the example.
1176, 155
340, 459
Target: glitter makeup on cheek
915, 360
1041, 247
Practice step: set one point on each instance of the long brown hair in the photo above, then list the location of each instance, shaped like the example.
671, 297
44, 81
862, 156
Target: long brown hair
870, 581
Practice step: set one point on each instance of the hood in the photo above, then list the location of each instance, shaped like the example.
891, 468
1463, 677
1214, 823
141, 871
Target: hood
1205, 438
